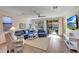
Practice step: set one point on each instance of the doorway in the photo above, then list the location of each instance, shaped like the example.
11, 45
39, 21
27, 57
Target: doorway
52, 26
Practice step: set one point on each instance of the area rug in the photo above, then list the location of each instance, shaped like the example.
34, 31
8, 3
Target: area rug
41, 43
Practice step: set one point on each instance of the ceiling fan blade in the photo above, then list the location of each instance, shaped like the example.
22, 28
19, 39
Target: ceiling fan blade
41, 16
36, 13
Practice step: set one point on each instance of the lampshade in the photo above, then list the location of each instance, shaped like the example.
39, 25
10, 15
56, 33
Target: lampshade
12, 28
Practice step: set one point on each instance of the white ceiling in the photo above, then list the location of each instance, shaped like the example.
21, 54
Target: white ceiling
27, 11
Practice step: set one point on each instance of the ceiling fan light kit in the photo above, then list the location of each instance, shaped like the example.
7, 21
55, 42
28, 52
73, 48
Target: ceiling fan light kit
54, 7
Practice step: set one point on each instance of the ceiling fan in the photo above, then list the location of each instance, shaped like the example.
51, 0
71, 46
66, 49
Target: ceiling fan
38, 14
55, 7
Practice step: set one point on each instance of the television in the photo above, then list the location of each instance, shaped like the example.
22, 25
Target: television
72, 23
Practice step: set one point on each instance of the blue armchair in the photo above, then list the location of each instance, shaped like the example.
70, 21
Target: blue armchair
41, 33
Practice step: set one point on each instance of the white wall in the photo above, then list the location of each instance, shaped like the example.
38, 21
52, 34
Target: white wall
60, 29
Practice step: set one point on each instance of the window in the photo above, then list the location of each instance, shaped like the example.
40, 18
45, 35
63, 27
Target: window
7, 23
7, 19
